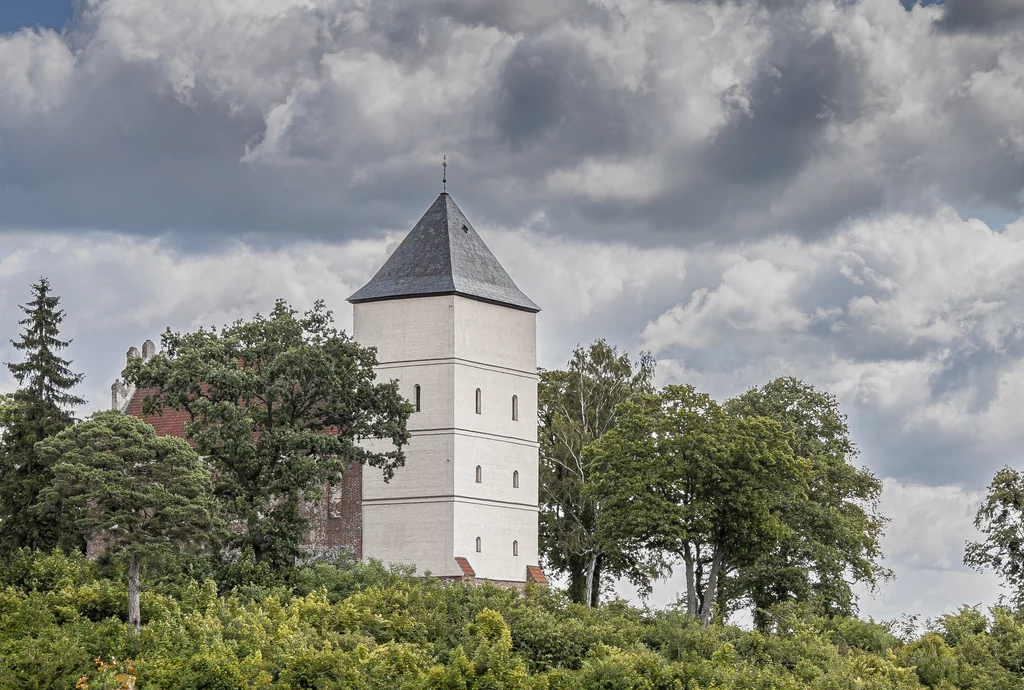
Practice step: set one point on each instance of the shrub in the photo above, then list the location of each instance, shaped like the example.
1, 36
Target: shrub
328, 626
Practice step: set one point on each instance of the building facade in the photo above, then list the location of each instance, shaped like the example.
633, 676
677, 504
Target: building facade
460, 338
453, 329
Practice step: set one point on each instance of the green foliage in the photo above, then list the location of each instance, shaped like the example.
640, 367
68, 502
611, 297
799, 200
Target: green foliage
59, 617
278, 404
576, 407
684, 482
36, 411
831, 541
140, 494
1001, 520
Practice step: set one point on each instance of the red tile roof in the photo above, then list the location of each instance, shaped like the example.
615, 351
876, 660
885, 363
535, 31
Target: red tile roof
169, 422
467, 569
535, 574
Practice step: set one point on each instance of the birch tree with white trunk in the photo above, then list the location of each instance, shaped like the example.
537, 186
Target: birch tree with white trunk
577, 406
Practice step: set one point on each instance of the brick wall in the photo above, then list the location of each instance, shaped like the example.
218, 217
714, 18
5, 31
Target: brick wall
335, 521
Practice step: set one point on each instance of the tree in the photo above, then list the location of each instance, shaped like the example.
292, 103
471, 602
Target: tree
38, 409
138, 493
682, 481
832, 540
280, 404
1001, 520
577, 406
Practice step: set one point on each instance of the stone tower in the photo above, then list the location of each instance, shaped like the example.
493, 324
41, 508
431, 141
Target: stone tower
460, 337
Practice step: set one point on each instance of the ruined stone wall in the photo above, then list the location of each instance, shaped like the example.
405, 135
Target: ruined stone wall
335, 521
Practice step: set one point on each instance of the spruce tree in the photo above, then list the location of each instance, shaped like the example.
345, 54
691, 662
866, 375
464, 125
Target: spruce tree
40, 408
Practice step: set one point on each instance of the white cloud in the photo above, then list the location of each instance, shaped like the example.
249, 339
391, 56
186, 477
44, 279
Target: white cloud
915, 321
924, 545
119, 290
35, 68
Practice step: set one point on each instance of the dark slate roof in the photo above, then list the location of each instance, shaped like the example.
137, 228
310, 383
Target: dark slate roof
444, 255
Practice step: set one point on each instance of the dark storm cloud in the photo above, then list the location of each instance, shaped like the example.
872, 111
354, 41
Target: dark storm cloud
146, 161
517, 15
982, 15
775, 5
554, 102
726, 120
804, 87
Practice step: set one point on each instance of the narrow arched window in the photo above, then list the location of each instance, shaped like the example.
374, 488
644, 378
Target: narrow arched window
478, 549
515, 548
515, 408
479, 474
479, 400
515, 479
416, 396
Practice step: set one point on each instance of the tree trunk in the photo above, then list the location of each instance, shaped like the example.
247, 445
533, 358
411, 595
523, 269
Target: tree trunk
591, 567
595, 592
577, 580
691, 586
255, 538
134, 617
709, 594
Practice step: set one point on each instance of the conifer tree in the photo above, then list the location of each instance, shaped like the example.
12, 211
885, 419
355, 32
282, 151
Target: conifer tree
142, 495
41, 407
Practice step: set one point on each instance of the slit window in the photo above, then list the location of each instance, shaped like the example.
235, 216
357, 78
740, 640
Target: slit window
515, 408
416, 396
479, 401
515, 479
478, 545
515, 548
479, 474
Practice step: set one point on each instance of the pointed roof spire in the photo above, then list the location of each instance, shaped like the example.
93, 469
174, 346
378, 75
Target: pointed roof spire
444, 174
443, 255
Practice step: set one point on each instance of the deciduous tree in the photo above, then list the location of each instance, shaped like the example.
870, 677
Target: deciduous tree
681, 481
832, 540
280, 404
1001, 520
41, 407
138, 493
578, 406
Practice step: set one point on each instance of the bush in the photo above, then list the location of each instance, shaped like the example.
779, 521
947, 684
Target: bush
349, 625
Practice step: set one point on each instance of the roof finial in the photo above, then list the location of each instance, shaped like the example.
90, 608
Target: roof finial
444, 174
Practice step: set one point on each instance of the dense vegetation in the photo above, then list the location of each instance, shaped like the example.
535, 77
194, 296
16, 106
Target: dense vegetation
277, 406
202, 581
757, 499
360, 626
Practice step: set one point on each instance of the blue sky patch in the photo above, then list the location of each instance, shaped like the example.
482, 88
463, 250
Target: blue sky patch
15, 14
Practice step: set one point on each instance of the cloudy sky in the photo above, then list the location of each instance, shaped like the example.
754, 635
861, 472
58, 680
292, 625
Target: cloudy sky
831, 189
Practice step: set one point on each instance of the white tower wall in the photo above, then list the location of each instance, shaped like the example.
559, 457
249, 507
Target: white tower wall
435, 509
